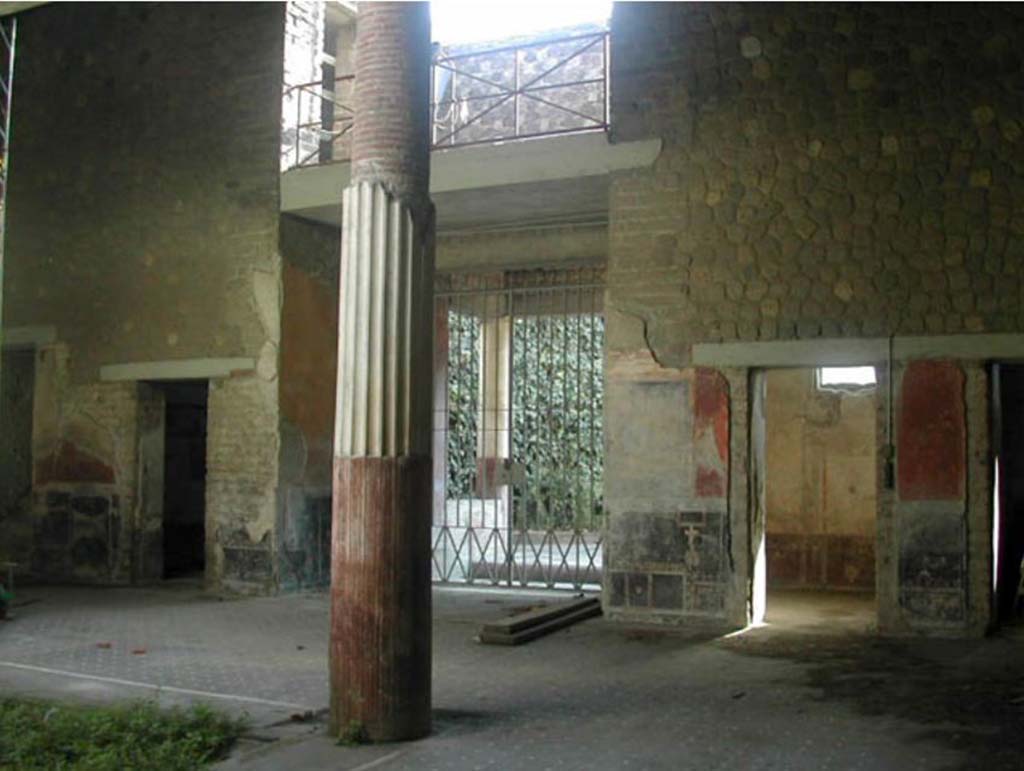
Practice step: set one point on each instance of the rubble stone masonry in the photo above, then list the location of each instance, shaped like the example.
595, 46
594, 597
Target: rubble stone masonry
828, 171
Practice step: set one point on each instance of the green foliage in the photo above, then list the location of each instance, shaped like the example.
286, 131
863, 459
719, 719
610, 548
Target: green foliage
353, 734
463, 402
557, 420
557, 416
36, 735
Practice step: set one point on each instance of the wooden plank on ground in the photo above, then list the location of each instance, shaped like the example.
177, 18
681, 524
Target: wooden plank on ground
536, 616
524, 627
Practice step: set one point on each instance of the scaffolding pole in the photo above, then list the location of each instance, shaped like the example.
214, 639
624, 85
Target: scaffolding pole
8, 32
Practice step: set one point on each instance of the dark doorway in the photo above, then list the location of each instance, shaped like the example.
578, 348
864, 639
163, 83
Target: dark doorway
16, 396
1009, 382
185, 479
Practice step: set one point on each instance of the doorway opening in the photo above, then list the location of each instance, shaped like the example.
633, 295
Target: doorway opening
518, 429
818, 495
1008, 519
184, 496
17, 389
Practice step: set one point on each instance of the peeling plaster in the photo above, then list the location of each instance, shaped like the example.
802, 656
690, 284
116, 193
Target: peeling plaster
266, 366
631, 356
266, 293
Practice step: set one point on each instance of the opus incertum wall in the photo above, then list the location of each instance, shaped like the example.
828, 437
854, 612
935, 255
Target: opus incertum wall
827, 172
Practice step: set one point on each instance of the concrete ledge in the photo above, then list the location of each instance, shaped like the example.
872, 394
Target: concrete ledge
536, 160
977, 347
178, 369
315, 191
853, 351
792, 353
28, 337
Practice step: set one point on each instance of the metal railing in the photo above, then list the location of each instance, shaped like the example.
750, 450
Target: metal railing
542, 88
317, 123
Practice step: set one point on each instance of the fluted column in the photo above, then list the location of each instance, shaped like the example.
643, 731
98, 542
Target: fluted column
380, 557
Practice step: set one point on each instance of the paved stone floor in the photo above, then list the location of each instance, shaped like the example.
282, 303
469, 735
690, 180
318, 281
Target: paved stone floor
812, 689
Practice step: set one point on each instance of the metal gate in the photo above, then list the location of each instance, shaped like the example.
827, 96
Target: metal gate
518, 435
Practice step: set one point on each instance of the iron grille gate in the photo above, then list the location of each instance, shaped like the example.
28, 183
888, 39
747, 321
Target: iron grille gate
518, 435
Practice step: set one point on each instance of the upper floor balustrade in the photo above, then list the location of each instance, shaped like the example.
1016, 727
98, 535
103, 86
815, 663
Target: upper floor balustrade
539, 88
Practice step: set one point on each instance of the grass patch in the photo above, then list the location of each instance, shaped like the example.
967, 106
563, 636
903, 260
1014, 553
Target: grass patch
353, 734
35, 735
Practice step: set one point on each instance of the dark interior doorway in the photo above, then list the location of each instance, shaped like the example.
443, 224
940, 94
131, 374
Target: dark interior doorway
17, 387
185, 479
1009, 421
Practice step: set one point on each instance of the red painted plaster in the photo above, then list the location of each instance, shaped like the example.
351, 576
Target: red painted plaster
711, 413
710, 482
932, 432
68, 463
309, 362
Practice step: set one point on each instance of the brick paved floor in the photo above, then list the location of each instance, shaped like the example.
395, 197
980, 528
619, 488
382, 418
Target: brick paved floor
593, 696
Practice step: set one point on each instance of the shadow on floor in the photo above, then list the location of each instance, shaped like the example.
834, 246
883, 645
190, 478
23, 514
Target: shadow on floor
967, 694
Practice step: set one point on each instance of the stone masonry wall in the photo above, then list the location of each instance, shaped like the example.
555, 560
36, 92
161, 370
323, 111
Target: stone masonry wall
241, 483
138, 218
143, 225
827, 171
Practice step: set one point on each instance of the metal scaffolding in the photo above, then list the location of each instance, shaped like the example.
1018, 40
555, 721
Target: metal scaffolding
8, 29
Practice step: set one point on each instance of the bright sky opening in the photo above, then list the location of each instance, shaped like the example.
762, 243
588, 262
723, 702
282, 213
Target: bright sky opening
839, 376
461, 21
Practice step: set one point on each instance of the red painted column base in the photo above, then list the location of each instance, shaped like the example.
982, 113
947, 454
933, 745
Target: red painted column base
380, 644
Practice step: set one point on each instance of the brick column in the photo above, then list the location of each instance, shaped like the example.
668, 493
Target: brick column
380, 557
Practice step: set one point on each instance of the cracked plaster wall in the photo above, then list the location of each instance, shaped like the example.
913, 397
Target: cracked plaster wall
307, 396
143, 226
827, 171
84, 495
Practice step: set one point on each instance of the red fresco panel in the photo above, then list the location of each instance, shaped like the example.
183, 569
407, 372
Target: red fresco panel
931, 440
711, 414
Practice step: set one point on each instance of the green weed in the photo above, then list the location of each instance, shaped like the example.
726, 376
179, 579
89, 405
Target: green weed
37, 735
